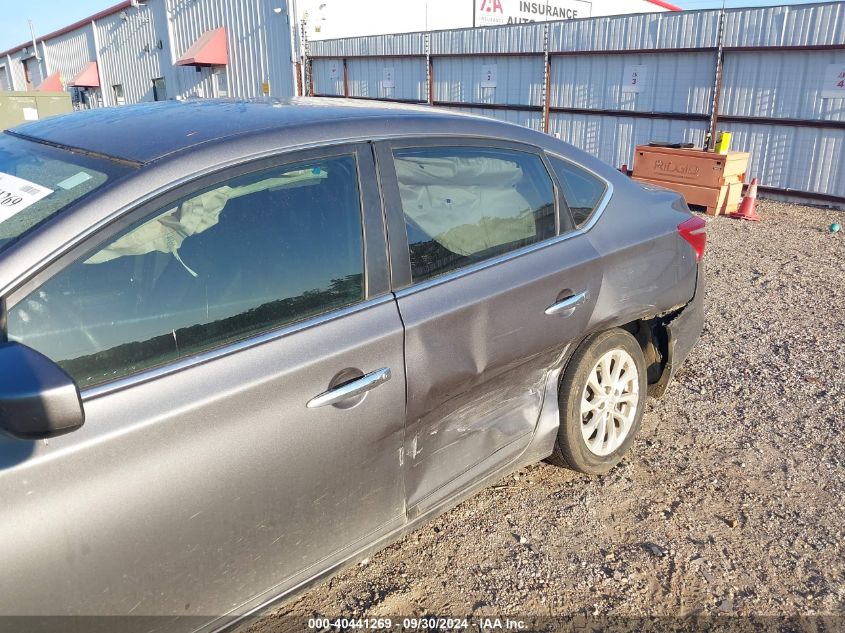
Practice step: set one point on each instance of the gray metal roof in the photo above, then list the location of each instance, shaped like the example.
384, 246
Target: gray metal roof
145, 132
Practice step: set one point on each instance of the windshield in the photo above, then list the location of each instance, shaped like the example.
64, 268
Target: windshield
38, 181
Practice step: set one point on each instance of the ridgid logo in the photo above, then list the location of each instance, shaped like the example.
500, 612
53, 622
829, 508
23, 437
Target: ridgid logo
682, 169
492, 6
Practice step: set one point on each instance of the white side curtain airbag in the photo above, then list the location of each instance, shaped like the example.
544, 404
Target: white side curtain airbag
466, 204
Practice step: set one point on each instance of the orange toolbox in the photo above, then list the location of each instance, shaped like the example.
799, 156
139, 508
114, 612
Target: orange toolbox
704, 178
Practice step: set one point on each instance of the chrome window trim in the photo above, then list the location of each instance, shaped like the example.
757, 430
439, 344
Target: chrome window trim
275, 331
24, 275
531, 248
204, 357
599, 208
220, 352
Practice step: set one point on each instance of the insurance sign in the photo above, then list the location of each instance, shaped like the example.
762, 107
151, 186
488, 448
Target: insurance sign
492, 12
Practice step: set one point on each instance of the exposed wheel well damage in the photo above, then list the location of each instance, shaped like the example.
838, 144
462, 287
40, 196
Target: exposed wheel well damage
653, 336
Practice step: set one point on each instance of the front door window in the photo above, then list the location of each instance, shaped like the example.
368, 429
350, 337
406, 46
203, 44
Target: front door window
249, 255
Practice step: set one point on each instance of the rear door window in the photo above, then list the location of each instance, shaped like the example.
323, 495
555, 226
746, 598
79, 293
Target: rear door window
466, 204
582, 190
243, 257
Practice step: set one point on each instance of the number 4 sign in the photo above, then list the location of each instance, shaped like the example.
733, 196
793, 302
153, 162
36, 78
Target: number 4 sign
633, 78
834, 82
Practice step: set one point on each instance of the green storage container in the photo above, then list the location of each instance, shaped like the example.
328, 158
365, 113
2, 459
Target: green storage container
21, 107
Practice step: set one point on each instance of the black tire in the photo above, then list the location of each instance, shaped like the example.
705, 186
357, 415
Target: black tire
571, 450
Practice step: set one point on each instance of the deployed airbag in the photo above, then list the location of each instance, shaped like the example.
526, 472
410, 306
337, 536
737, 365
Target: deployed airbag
466, 204
166, 232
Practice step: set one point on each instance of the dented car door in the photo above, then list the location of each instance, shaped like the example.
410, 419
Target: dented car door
493, 286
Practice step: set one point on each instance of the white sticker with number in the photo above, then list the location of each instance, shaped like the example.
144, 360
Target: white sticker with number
633, 78
488, 76
834, 82
16, 194
388, 80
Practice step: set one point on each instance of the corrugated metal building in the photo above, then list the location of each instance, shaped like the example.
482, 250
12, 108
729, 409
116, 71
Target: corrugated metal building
573, 79
569, 78
146, 50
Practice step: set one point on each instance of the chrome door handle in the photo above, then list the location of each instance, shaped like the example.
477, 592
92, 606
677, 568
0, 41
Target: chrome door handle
351, 389
568, 305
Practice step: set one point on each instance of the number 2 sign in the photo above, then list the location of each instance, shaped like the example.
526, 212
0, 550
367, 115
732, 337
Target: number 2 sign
488, 76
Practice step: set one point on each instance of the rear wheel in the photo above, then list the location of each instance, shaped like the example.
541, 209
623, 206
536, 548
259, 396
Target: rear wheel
601, 399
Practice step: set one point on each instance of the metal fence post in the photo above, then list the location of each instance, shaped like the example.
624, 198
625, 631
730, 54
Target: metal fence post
547, 78
717, 84
429, 71
307, 62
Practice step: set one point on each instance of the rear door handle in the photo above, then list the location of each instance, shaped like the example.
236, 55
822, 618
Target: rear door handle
351, 389
567, 306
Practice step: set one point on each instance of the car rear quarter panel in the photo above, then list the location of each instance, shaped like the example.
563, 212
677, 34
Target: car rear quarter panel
647, 268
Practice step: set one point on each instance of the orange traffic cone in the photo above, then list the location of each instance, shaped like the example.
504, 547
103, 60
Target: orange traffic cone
748, 207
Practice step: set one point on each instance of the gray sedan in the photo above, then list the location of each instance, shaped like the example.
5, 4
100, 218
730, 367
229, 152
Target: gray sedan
245, 344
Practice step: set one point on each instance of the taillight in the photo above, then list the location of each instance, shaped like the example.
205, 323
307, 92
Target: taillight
694, 231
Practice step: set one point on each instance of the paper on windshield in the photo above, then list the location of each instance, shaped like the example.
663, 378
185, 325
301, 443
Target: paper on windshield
16, 194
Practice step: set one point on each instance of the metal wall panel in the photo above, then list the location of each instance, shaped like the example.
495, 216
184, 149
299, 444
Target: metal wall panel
682, 82
522, 38
252, 29
14, 71
123, 55
652, 31
5, 80
373, 45
322, 78
519, 80
790, 157
69, 53
280, 58
784, 84
789, 25
612, 139
525, 118
366, 78
15, 65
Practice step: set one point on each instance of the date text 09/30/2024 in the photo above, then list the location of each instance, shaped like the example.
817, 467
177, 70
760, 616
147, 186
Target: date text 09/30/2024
417, 624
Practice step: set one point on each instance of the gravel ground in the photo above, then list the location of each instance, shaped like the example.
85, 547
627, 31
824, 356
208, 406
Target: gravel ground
732, 501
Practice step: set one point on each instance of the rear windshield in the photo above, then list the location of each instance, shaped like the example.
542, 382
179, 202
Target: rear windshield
38, 181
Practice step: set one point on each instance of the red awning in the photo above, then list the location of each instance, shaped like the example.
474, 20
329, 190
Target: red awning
89, 77
53, 83
209, 50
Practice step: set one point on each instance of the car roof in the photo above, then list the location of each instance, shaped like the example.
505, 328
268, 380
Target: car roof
145, 132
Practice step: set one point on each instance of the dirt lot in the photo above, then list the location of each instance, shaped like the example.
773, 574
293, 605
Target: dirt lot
731, 502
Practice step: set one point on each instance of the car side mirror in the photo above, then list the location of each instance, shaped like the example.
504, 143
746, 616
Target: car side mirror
38, 399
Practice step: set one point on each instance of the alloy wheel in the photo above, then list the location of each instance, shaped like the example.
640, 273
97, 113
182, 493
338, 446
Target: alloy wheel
609, 402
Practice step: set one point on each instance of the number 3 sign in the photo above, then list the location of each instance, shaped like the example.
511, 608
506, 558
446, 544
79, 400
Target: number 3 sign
633, 79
